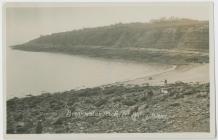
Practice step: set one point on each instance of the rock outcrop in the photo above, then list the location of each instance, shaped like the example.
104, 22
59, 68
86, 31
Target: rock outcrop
113, 109
170, 40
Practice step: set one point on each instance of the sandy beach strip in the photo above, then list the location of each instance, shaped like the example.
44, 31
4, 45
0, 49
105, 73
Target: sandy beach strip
184, 73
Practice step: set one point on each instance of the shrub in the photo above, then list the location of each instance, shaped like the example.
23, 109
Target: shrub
129, 102
175, 104
143, 98
117, 99
101, 102
88, 101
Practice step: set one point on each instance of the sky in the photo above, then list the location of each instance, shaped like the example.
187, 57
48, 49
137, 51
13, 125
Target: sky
27, 23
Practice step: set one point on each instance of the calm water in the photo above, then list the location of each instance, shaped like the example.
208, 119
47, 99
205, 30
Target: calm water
37, 72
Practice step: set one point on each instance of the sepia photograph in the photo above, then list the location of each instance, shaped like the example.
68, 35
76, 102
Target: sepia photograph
96, 68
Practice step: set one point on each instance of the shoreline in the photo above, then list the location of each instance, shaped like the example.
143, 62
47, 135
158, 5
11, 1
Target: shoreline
175, 74
146, 76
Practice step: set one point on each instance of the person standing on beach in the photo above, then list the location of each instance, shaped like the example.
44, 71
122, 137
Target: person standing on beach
165, 82
39, 127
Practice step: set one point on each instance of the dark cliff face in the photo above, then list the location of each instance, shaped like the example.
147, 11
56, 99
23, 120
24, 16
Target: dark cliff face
167, 34
144, 42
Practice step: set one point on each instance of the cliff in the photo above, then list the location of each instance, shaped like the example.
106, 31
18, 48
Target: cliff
168, 39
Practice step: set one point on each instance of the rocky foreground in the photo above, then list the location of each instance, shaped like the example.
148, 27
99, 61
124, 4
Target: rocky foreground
178, 107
